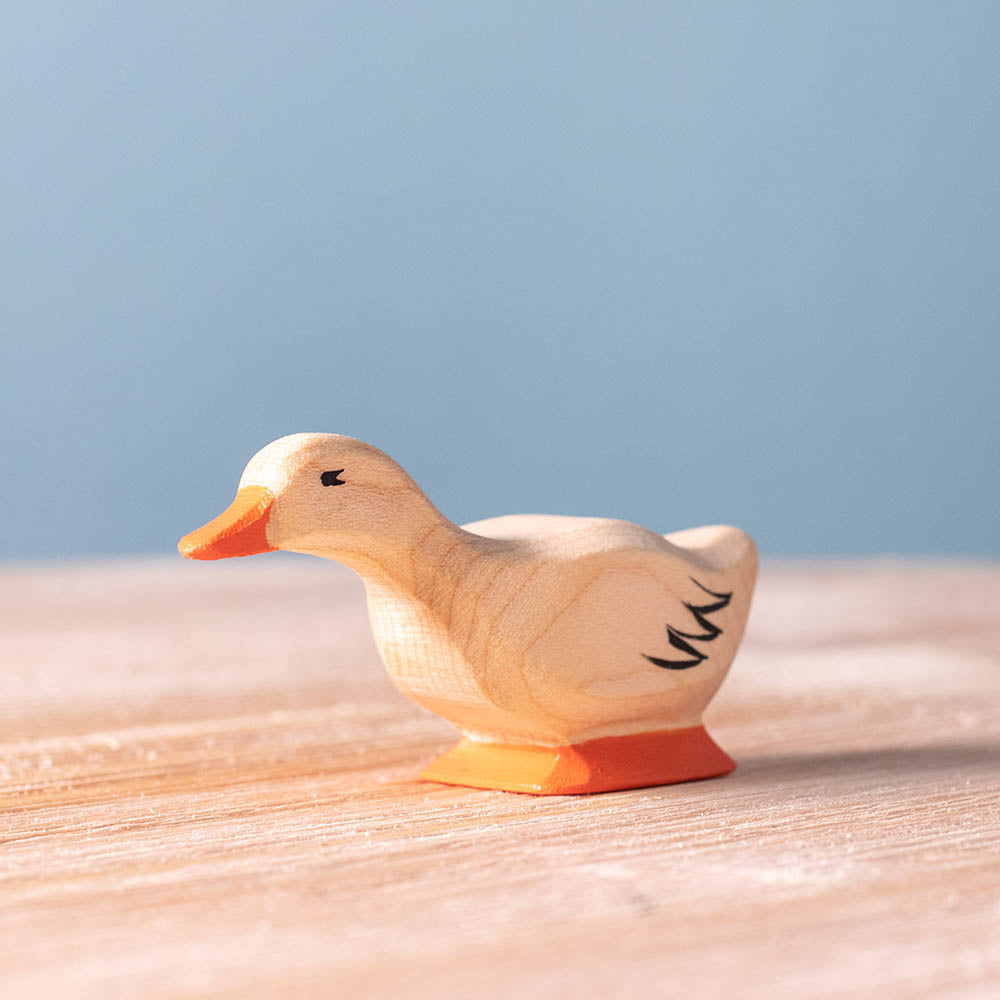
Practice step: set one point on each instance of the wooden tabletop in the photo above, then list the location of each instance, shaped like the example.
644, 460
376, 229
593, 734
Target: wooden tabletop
209, 788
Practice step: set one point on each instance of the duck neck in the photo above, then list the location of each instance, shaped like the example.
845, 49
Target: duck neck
408, 555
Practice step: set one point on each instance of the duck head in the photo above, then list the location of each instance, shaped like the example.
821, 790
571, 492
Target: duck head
321, 494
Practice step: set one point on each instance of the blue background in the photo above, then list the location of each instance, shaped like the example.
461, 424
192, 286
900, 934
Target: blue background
673, 262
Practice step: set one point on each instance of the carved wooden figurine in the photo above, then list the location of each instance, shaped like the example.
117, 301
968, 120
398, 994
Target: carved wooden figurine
574, 654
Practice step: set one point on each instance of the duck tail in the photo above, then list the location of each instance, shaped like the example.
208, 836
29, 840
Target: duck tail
720, 548
739, 551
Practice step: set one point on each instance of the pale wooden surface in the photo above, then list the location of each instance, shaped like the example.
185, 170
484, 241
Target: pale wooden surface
208, 789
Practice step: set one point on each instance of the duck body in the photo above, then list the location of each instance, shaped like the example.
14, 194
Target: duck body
574, 654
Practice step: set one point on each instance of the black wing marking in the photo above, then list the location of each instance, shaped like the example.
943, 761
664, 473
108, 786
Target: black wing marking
681, 641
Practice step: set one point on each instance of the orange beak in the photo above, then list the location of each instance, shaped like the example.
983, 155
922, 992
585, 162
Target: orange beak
240, 530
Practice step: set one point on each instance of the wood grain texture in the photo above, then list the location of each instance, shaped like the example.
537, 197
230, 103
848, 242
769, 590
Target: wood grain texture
208, 789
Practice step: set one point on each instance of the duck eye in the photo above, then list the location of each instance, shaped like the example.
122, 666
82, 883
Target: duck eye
332, 478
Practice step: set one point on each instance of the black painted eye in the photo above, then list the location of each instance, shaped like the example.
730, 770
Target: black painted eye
332, 478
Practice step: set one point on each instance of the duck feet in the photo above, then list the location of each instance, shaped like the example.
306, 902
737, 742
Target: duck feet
609, 764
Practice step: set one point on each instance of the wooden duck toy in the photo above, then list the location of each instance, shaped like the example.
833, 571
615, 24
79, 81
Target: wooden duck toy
574, 654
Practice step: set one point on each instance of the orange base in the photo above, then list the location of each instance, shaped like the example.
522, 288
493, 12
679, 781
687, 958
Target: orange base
604, 765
